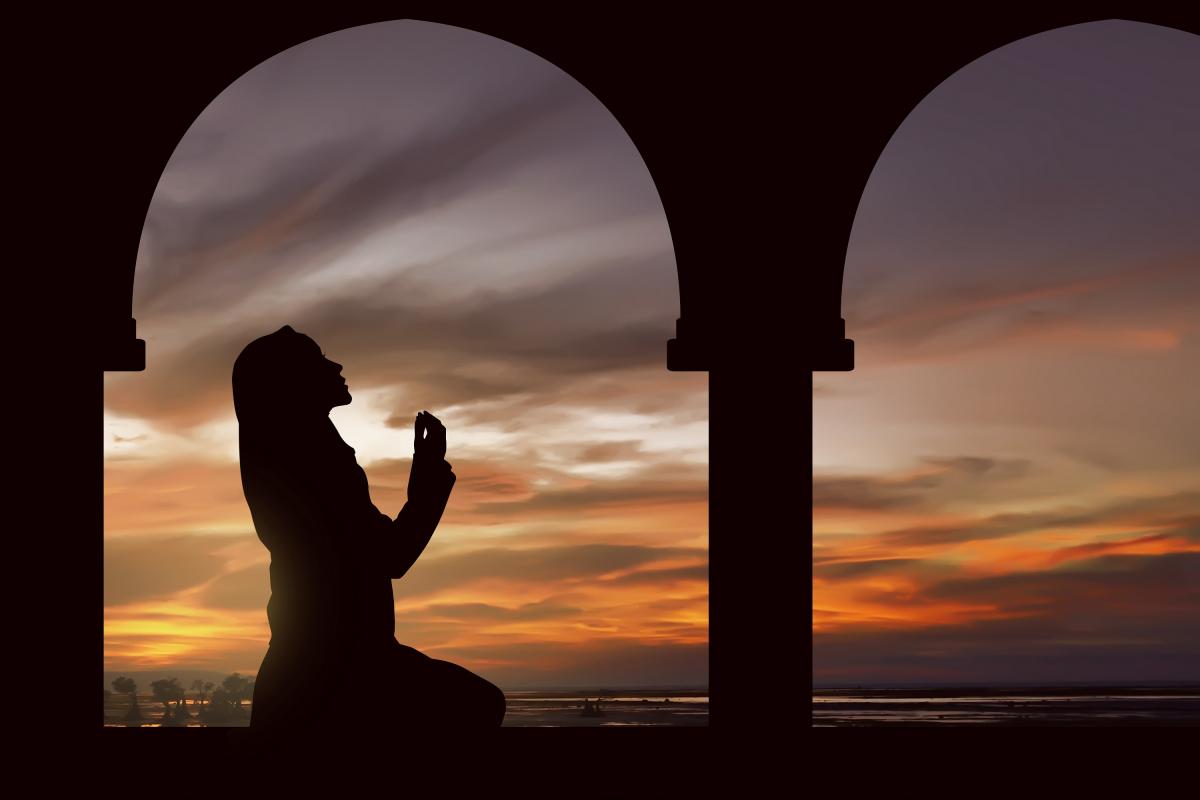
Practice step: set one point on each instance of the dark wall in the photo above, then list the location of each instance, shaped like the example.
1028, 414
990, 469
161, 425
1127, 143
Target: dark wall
760, 133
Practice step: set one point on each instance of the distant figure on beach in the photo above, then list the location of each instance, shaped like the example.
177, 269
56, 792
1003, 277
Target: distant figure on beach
334, 555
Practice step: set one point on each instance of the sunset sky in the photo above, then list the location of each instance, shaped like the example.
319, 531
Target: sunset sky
1007, 487
467, 230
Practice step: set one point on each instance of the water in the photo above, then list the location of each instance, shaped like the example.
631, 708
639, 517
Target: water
526, 709
562, 709
1051, 706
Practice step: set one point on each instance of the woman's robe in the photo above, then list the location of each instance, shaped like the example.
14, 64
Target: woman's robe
333, 656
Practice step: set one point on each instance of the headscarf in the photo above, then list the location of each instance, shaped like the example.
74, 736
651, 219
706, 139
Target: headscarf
277, 420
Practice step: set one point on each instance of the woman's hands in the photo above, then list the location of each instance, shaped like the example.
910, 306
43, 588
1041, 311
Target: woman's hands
430, 481
430, 437
431, 477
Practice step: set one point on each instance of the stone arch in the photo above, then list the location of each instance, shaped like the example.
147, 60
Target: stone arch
686, 364
1080, 140
900, 91
123, 351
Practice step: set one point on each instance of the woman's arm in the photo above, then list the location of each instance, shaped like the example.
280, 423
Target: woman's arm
430, 481
313, 505
429, 486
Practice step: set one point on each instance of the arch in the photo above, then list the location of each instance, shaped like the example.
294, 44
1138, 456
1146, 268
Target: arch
569, 78
1025, 238
895, 93
853, 72
123, 351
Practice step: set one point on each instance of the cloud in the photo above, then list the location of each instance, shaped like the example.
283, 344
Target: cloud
1104, 587
533, 565
625, 450
530, 343
597, 496
522, 490
249, 588
485, 612
321, 200
854, 569
921, 488
241, 589
1137, 513
1112, 618
603, 663
977, 466
162, 493
146, 567
663, 577
1104, 313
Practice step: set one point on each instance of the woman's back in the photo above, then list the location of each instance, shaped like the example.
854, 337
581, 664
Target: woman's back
312, 510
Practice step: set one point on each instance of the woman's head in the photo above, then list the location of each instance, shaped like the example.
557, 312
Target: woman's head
284, 375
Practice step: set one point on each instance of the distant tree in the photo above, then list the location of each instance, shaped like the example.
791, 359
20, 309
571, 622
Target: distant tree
221, 706
128, 686
181, 709
162, 693
167, 691
198, 688
237, 687
207, 696
178, 696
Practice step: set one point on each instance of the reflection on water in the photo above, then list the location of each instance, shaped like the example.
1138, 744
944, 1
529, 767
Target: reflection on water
550, 709
1073, 707
526, 709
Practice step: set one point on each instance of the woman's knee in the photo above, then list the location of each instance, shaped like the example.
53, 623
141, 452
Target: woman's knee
495, 702
488, 704
480, 700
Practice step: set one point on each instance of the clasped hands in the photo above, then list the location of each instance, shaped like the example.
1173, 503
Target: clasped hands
429, 440
430, 479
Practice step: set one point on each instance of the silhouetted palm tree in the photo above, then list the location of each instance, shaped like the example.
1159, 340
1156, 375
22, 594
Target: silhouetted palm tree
198, 688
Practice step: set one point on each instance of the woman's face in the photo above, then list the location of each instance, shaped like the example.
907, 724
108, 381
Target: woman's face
328, 385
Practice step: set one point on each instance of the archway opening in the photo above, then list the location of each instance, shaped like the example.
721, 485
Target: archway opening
1006, 488
466, 229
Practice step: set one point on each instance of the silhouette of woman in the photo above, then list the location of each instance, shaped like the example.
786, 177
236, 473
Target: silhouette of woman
333, 659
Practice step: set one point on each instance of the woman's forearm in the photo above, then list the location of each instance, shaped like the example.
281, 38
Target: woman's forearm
428, 493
